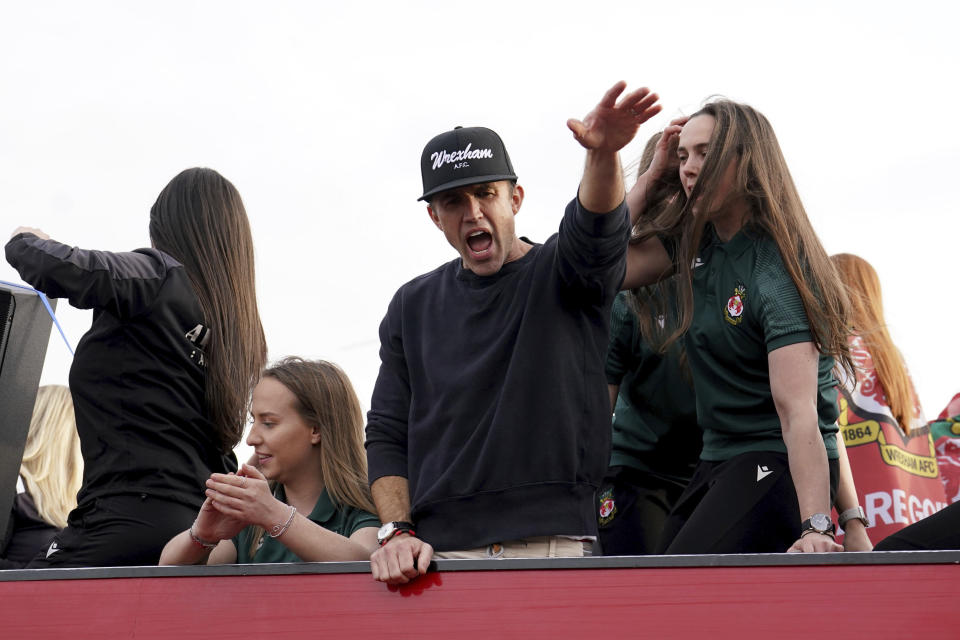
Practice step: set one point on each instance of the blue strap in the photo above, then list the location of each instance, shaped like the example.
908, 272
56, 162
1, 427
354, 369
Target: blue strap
46, 303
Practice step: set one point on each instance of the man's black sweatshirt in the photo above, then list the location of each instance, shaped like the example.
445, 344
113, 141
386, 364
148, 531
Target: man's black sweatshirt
492, 399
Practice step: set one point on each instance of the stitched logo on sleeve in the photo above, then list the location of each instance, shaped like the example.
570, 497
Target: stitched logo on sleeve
733, 312
608, 508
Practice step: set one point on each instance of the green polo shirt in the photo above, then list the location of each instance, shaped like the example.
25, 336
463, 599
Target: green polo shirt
655, 428
344, 521
745, 306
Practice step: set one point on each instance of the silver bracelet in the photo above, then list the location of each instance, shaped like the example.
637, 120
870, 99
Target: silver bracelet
279, 529
206, 544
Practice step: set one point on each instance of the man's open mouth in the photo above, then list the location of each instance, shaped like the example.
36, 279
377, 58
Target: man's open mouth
479, 241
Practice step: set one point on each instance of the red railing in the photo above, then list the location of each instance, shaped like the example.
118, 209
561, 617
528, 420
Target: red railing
876, 596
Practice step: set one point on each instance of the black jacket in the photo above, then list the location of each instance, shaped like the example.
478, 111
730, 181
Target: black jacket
138, 377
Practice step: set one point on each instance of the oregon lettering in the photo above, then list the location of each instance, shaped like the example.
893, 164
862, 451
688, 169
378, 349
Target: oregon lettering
441, 158
898, 506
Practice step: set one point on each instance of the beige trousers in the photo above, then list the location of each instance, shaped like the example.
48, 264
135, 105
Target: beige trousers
538, 547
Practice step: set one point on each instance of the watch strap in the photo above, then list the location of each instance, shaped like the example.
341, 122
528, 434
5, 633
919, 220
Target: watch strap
397, 528
807, 526
853, 513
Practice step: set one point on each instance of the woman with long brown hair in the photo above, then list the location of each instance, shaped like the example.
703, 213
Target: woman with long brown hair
160, 381
307, 435
763, 317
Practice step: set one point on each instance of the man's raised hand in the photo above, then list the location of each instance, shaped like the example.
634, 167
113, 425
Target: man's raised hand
612, 124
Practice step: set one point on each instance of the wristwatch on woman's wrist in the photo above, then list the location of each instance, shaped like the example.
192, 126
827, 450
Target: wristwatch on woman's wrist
391, 529
818, 523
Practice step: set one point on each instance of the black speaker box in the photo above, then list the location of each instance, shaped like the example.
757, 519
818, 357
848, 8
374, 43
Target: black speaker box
24, 335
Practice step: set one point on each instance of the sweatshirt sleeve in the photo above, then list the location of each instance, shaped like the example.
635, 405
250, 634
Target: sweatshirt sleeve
387, 419
592, 250
123, 284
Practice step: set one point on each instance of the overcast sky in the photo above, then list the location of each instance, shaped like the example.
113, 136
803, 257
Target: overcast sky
318, 111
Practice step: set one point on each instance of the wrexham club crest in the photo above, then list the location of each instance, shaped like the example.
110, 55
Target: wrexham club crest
733, 312
608, 508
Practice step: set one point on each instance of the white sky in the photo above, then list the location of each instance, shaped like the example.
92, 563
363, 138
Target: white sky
318, 111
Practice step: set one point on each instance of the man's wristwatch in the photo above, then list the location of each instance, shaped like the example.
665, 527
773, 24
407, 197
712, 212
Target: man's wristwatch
391, 529
853, 513
818, 523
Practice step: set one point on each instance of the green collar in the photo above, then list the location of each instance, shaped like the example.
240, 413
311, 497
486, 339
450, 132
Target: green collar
735, 246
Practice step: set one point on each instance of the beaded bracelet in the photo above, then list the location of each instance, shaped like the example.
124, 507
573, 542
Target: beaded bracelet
279, 529
823, 533
206, 544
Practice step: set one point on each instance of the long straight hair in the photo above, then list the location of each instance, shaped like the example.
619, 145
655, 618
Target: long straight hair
743, 135
199, 219
52, 466
866, 320
326, 401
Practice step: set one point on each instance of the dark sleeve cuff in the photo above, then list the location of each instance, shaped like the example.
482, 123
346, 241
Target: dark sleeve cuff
601, 224
788, 339
385, 459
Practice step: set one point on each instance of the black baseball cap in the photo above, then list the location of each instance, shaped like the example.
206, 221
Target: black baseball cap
464, 156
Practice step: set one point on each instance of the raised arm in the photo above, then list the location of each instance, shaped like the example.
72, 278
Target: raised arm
122, 283
603, 132
793, 382
37, 232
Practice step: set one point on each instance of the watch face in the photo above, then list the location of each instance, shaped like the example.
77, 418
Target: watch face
385, 531
820, 521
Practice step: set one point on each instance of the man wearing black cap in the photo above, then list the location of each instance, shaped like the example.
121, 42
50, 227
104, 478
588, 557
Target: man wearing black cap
489, 427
